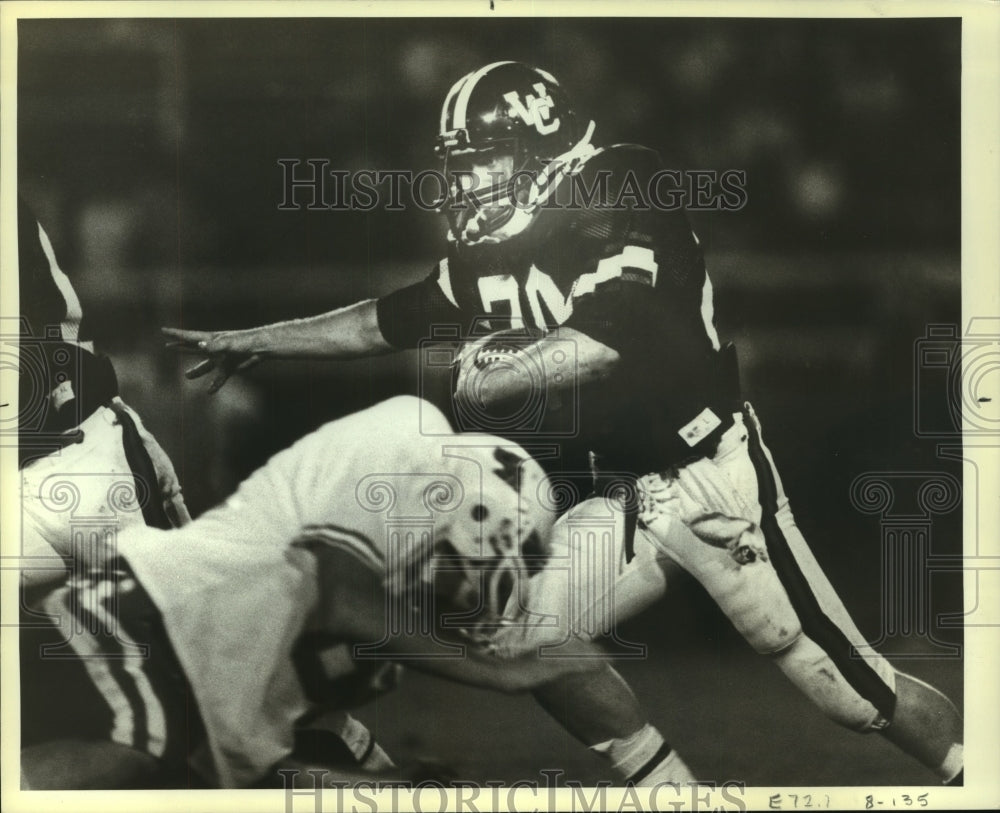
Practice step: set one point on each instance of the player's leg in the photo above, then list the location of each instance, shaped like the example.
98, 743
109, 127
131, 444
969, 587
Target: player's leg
916, 717
611, 706
331, 746
927, 726
920, 719
731, 559
601, 711
783, 603
586, 587
103, 701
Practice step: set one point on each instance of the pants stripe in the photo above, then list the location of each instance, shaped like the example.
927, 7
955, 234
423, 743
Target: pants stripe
103, 660
135, 666
815, 623
103, 669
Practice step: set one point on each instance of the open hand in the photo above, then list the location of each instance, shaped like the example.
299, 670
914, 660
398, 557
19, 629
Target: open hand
226, 352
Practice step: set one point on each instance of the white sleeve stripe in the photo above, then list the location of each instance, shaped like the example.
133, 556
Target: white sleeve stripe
611, 267
74, 313
636, 257
708, 312
608, 268
444, 281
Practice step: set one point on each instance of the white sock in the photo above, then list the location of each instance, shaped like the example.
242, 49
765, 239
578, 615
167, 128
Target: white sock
644, 758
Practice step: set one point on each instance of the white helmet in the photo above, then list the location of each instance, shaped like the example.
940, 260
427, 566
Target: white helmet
487, 535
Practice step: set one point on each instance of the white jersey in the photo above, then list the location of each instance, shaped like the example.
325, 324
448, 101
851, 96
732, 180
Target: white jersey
235, 590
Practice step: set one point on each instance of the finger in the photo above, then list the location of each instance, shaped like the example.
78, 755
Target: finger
221, 377
189, 336
184, 347
200, 369
248, 363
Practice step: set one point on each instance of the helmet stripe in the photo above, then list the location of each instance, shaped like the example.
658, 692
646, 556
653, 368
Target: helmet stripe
448, 101
462, 103
548, 76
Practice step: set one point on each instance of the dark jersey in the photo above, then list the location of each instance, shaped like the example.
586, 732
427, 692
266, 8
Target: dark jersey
50, 308
61, 380
603, 260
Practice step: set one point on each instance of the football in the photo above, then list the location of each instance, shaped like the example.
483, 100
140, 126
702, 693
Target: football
485, 373
503, 345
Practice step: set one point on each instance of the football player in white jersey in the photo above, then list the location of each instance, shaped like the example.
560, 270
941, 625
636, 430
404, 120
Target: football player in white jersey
207, 646
560, 241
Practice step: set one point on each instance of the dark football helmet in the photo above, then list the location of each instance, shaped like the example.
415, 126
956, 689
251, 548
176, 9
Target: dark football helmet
508, 136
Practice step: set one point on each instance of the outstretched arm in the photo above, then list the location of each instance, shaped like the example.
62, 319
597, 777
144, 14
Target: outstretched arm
351, 332
350, 614
478, 667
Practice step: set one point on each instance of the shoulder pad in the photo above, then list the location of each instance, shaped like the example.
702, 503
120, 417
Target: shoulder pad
608, 174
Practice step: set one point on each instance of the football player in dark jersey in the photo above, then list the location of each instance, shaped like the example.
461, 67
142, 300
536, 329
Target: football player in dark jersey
593, 289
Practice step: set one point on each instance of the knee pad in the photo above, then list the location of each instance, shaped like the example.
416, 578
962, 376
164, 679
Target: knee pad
749, 591
762, 615
752, 597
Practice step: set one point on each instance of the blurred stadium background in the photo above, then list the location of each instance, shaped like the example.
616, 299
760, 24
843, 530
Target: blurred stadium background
150, 148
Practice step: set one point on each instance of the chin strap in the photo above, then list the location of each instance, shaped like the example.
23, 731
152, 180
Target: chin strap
575, 157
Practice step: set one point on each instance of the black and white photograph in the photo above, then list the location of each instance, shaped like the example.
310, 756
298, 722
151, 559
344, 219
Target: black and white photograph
486, 407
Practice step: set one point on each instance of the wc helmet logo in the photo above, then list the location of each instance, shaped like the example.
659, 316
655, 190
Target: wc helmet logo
535, 111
